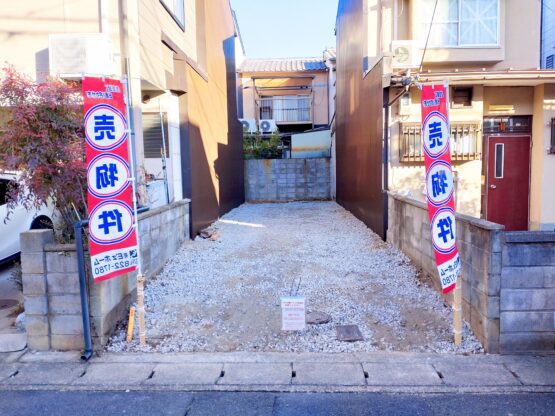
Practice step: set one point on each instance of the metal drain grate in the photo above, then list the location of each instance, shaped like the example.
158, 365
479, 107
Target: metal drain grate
348, 333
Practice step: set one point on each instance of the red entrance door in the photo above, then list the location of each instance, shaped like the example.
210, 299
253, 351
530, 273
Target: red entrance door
508, 183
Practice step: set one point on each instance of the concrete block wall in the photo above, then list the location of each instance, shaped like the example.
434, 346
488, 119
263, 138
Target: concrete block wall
35, 292
51, 281
480, 246
528, 293
269, 180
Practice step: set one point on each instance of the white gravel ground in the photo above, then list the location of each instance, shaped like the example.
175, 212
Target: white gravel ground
224, 295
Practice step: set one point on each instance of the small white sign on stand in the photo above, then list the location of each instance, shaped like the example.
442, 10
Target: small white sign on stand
293, 313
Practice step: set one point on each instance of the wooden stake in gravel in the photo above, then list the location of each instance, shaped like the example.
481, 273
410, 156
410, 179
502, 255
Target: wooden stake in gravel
130, 324
457, 312
141, 309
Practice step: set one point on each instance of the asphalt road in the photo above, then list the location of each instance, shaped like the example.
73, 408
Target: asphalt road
15, 403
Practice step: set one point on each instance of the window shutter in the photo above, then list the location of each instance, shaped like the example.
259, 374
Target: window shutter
152, 135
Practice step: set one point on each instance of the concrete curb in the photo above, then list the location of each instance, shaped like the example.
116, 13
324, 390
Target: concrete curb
280, 372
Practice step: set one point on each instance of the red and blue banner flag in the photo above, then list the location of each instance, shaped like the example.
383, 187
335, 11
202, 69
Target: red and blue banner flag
112, 232
436, 135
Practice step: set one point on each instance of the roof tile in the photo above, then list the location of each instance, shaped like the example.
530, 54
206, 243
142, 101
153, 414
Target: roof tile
283, 65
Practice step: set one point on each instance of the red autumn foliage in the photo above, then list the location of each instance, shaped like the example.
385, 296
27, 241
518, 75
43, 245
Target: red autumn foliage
43, 142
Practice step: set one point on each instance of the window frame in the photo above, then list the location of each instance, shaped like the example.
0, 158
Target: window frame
422, 36
552, 141
410, 138
502, 147
173, 14
458, 105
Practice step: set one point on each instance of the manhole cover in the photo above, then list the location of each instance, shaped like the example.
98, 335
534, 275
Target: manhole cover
348, 333
7, 303
317, 318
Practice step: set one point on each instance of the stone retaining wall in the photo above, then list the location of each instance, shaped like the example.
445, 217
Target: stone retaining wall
480, 246
269, 180
528, 292
508, 278
51, 281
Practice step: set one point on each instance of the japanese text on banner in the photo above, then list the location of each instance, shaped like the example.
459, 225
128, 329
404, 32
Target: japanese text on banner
112, 232
436, 135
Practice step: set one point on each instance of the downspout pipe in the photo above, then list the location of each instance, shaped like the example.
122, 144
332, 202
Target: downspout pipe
78, 228
385, 156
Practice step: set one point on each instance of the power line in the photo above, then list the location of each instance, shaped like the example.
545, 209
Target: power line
544, 4
428, 37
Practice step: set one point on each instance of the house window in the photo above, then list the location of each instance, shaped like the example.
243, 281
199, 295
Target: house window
460, 23
152, 135
499, 160
552, 148
549, 62
466, 142
177, 10
462, 97
286, 108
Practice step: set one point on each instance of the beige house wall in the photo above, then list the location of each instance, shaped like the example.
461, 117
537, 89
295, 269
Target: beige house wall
522, 98
519, 49
519, 36
135, 28
319, 84
409, 178
542, 196
156, 58
25, 26
539, 101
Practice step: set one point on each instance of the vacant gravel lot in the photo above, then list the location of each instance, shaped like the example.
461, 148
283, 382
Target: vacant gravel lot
224, 295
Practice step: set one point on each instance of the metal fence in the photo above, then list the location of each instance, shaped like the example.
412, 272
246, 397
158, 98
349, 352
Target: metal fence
466, 142
286, 109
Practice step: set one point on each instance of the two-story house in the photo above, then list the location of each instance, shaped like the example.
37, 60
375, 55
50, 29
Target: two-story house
179, 59
291, 92
501, 109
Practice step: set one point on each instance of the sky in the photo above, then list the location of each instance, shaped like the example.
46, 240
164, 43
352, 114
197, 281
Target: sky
286, 28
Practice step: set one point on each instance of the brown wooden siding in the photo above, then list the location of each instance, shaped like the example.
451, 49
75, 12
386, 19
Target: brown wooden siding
359, 121
214, 135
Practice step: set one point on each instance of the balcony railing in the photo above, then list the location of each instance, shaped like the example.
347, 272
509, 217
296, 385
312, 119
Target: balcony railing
466, 142
284, 109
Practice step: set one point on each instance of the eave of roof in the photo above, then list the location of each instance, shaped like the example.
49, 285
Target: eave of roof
509, 75
283, 65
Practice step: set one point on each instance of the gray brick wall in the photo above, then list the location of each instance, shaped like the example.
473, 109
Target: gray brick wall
269, 180
51, 281
480, 246
508, 278
528, 293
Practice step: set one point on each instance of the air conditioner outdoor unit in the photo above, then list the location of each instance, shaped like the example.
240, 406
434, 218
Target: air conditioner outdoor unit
73, 54
268, 126
406, 54
249, 124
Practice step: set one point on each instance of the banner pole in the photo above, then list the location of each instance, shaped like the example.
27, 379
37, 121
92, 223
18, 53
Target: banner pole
457, 312
140, 276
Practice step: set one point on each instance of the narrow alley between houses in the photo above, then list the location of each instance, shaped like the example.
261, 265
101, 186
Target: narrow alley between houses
223, 293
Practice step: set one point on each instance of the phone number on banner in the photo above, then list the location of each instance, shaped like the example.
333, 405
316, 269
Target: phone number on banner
114, 260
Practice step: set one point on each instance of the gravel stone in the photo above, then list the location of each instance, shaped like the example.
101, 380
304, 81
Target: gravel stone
224, 295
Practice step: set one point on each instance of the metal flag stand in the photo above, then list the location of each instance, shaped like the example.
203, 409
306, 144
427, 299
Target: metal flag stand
140, 276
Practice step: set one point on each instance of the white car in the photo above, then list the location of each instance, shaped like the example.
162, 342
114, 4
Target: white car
20, 220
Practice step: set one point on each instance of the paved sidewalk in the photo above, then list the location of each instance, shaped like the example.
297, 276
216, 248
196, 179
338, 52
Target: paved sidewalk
279, 372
